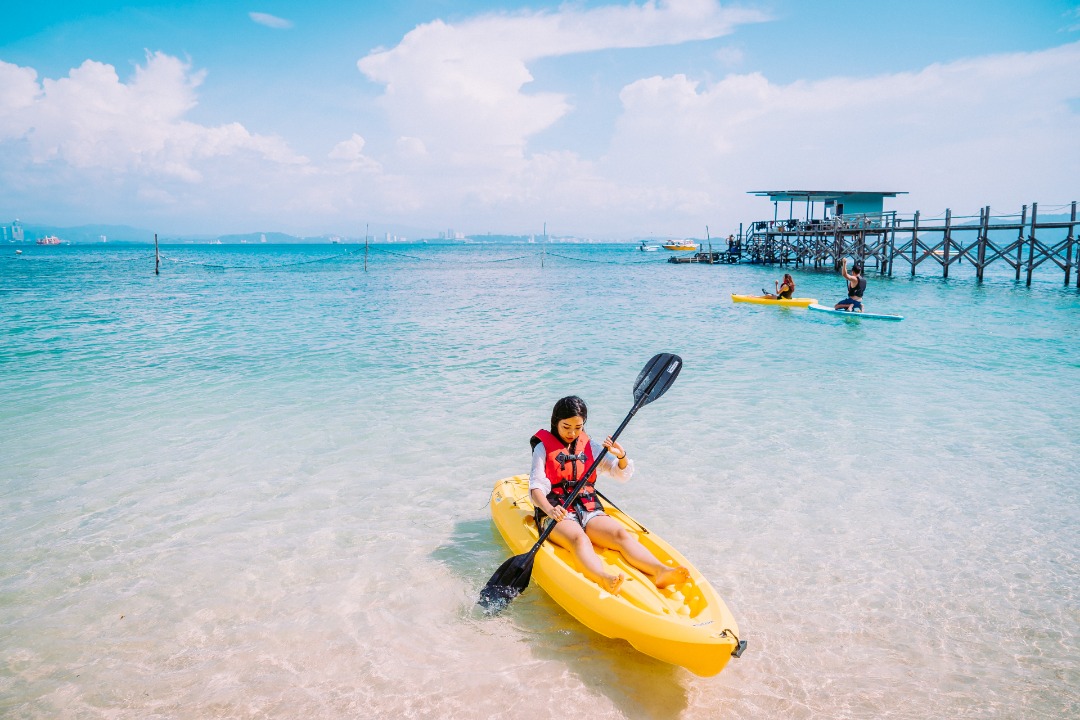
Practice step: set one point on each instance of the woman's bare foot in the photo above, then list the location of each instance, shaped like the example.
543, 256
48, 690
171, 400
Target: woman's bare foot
671, 576
613, 583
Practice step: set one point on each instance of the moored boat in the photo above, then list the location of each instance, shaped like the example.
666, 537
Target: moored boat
646, 247
680, 245
49, 240
685, 624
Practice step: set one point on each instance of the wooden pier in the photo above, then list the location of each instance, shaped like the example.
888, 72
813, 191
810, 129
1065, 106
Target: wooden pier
888, 243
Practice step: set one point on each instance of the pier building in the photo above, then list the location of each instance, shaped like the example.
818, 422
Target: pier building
831, 202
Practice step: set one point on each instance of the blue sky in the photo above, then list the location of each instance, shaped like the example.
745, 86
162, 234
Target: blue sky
602, 119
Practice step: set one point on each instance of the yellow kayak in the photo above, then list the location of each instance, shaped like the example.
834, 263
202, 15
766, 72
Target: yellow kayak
687, 624
758, 300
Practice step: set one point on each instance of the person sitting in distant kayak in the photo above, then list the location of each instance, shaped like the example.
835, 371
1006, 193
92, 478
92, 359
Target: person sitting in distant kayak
856, 287
784, 291
560, 456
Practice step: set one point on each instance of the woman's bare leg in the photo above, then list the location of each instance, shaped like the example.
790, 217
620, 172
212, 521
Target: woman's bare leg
569, 535
608, 533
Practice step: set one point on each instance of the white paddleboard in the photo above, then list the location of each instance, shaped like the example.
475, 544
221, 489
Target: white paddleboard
847, 313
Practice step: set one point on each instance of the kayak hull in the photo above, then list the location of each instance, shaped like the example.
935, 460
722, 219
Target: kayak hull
847, 313
756, 300
687, 625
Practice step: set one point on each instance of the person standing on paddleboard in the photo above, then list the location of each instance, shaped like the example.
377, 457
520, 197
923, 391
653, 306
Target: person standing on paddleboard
559, 457
856, 287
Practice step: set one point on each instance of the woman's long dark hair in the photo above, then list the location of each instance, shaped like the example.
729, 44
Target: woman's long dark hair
567, 407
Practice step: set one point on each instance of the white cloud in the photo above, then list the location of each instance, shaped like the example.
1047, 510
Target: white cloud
351, 154
410, 147
90, 119
351, 149
977, 131
1073, 17
270, 21
459, 88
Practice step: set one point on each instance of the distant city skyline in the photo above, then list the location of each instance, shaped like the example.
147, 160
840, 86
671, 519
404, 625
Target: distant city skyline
602, 120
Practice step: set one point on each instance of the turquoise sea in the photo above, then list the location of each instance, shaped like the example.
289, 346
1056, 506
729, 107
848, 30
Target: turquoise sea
256, 485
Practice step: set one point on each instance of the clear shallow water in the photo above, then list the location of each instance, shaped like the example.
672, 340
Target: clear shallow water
260, 489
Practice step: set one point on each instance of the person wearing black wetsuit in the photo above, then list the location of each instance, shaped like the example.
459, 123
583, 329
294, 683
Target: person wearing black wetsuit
856, 287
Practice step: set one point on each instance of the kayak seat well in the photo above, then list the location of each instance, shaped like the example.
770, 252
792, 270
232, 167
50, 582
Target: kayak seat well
681, 600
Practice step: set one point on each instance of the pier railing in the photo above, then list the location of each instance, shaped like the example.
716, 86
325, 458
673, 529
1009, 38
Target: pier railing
881, 241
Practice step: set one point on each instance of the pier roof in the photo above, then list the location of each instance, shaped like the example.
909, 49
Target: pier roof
822, 195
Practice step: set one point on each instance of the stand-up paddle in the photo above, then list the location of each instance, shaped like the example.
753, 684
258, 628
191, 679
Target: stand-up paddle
513, 576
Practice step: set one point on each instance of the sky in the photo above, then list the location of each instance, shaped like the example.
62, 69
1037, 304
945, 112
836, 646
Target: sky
596, 119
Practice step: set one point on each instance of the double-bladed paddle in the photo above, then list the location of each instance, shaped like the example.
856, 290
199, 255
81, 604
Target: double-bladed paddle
513, 576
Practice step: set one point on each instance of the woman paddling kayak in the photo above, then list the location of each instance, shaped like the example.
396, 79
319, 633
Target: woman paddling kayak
559, 458
784, 291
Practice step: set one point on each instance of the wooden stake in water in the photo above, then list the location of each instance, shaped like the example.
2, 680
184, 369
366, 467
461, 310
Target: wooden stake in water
157, 257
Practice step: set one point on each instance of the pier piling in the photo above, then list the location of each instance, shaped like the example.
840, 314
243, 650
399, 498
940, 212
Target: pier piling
1031, 241
1069, 247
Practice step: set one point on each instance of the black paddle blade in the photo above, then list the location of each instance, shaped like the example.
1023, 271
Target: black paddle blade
507, 583
657, 376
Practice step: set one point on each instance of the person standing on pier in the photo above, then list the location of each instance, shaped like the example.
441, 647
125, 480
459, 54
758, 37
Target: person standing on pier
856, 286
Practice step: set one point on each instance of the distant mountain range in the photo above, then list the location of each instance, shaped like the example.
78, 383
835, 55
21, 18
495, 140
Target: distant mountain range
97, 234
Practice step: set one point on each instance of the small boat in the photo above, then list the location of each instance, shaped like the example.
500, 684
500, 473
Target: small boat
758, 300
850, 314
646, 247
680, 245
686, 624
49, 240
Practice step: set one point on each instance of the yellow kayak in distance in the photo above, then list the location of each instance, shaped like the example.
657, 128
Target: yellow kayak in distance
685, 624
758, 300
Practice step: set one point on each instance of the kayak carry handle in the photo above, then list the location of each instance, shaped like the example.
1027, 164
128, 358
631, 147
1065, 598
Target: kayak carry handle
740, 645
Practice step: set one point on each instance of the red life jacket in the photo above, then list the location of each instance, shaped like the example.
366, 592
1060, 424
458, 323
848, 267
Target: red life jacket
562, 476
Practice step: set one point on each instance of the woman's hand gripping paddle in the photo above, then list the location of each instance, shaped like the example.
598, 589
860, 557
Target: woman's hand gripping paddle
513, 576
